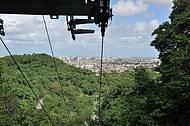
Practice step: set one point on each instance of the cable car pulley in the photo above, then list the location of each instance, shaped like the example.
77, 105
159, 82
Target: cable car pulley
104, 15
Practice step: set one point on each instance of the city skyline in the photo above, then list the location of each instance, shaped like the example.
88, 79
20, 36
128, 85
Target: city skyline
112, 64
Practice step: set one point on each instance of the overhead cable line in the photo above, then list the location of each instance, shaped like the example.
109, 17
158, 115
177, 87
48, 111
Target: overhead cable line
54, 61
26, 80
52, 53
100, 82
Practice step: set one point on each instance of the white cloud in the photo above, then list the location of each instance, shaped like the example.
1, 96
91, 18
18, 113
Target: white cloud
145, 27
149, 14
132, 36
26, 34
129, 7
140, 27
30, 29
154, 23
161, 2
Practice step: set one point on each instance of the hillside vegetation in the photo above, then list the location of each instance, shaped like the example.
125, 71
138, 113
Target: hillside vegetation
18, 104
162, 99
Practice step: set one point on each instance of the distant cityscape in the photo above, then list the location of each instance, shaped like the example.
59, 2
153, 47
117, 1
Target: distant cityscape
112, 64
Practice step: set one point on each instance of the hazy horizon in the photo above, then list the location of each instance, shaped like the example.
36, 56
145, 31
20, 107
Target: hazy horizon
83, 55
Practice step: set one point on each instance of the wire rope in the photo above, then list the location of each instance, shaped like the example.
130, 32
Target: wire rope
26, 80
54, 62
100, 82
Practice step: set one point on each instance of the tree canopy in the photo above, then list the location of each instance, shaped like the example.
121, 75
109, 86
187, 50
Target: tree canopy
161, 97
18, 104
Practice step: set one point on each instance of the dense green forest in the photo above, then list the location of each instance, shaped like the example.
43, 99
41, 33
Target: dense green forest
18, 104
143, 97
156, 99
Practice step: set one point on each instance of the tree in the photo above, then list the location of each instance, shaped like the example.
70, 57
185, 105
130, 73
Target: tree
1, 73
130, 98
18, 104
173, 42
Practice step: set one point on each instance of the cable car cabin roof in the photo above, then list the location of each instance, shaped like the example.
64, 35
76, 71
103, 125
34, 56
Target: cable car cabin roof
50, 7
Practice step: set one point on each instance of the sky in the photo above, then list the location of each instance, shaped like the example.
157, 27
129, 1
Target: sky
128, 35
